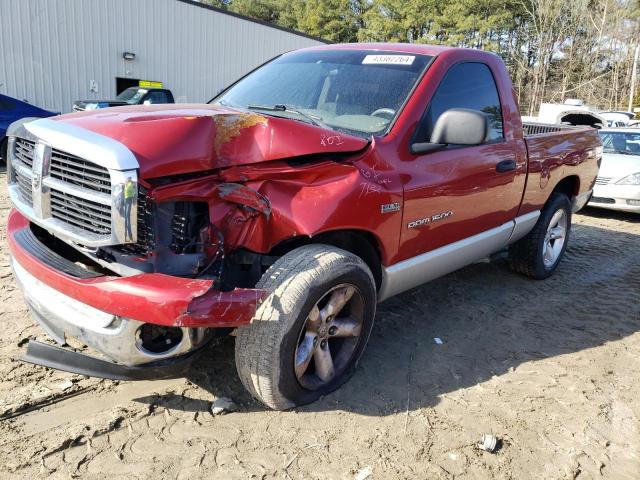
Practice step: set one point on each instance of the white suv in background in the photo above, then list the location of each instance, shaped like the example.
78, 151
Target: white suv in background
618, 184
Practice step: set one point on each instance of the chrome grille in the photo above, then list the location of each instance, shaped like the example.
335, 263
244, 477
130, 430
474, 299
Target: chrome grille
24, 150
145, 242
23, 163
603, 180
82, 213
54, 183
72, 176
24, 186
74, 170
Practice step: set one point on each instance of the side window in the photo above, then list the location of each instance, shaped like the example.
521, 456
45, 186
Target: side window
157, 97
465, 85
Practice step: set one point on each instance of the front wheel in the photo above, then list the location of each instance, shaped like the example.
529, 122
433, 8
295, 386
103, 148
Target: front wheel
538, 254
308, 335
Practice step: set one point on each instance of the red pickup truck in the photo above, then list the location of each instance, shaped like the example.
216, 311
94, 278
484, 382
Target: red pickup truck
323, 182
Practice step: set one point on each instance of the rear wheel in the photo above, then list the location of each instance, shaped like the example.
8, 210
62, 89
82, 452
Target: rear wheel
538, 254
309, 333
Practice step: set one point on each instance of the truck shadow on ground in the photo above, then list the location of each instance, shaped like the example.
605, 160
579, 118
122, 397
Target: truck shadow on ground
489, 319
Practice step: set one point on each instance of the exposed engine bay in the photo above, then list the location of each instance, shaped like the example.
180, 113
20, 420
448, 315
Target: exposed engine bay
178, 238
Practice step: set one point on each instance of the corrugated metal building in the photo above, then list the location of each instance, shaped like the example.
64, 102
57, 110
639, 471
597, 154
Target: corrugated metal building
53, 52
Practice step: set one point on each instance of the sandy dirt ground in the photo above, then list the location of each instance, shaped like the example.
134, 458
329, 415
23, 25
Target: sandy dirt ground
551, 368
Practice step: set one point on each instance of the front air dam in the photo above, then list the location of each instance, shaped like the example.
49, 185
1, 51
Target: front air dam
74, 362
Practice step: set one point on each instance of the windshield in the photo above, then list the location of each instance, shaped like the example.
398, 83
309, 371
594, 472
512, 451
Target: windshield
356, 92
132, 95
621, 142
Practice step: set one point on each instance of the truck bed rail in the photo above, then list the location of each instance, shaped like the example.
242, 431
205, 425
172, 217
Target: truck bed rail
531, 128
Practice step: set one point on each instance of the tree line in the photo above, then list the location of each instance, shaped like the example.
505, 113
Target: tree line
554, 49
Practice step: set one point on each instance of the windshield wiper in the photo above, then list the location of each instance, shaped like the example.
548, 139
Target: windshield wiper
279, 107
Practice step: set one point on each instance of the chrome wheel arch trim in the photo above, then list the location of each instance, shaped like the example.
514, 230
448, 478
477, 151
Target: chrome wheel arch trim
425, 267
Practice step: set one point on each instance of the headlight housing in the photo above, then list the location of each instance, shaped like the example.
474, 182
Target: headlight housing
633, 179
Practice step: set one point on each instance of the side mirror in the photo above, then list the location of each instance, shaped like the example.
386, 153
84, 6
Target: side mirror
147, 102
457, 126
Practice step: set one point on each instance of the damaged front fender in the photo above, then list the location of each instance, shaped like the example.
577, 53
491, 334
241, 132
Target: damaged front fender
224, 309
237, 211
256, 207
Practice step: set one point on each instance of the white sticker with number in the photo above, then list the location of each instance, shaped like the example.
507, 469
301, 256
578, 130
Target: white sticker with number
388, 60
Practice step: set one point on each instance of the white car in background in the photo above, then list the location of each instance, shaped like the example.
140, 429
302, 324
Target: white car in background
618, 184
618, 119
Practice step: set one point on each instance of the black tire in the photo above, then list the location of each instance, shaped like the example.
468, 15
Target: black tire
526, 256
296, 282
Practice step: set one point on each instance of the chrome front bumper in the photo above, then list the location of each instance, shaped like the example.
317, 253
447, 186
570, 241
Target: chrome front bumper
114, 337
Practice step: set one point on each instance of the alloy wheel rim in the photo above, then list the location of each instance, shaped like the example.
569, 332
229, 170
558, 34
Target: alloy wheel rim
329, 336
554, 238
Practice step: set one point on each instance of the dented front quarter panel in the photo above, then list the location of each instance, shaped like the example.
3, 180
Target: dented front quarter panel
321, 198
257, 207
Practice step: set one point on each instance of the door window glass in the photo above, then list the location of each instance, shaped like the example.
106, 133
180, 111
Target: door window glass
157, 97
465, 85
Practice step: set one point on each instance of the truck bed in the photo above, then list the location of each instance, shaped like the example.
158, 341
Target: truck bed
574, 148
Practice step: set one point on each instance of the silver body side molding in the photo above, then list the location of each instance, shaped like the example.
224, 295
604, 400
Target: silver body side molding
523, 225
428, 266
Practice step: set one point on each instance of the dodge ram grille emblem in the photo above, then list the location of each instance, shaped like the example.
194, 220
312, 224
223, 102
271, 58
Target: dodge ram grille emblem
37, 178
41, 159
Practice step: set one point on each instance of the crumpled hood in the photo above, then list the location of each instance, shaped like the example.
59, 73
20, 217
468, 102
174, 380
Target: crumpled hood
179, 139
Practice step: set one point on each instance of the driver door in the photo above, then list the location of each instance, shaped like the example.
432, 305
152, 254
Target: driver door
462, 191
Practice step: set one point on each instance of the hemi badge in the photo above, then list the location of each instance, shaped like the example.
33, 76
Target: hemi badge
390, 207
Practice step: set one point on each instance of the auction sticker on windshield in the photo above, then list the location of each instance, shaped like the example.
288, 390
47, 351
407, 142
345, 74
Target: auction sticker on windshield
388, 59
